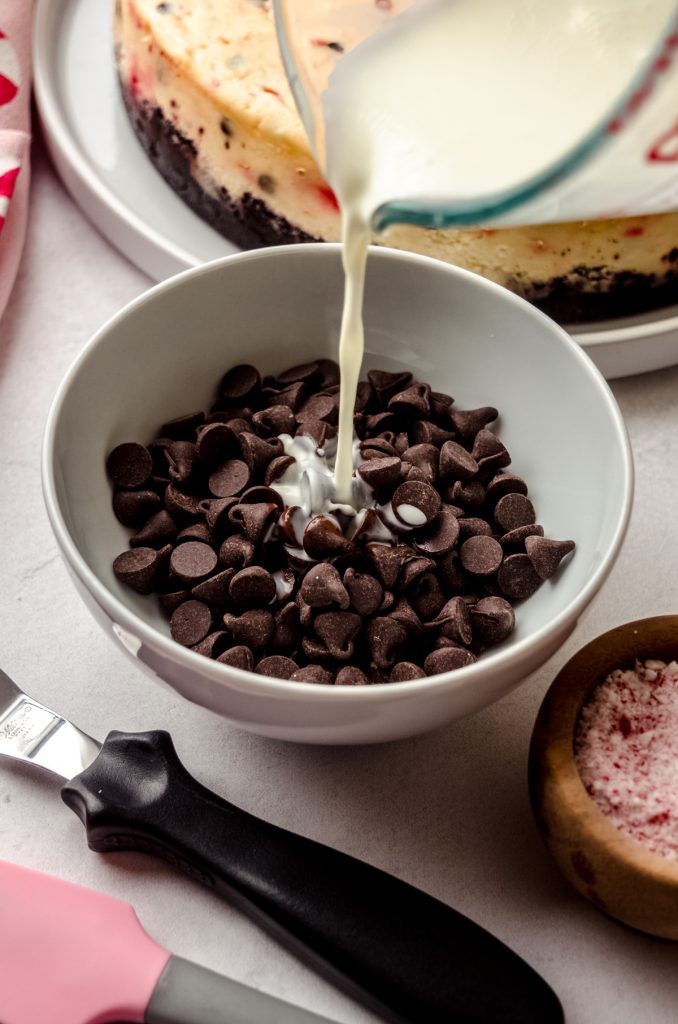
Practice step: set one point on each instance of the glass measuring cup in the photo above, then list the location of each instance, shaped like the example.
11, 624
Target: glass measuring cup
623, 161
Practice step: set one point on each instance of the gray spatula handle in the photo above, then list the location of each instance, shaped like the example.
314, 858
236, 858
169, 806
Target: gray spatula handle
189, 994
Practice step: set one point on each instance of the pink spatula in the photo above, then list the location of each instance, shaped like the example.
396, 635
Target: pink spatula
69, 955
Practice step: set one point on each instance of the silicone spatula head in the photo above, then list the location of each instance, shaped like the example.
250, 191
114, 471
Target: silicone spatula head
69, 955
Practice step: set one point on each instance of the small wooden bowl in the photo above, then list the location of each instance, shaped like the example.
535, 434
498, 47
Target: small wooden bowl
619, 875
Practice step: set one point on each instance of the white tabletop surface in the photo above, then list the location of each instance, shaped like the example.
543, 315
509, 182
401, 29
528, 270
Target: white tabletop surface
448, 811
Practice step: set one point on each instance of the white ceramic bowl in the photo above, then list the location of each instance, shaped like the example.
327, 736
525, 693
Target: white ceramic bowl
163, 355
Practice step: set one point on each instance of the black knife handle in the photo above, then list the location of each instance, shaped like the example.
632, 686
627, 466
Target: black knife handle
402, 953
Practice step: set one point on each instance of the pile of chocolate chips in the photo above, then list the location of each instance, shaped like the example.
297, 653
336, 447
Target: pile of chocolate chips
213, 537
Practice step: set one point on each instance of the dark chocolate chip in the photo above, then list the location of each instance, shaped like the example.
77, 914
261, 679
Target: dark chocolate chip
318, 430
423, 457
138, 569
453, 577
182, 428
194, 531
322, 587
236, 552
277, 667
388, 561
467, 422
214, 591
132, 508
213, 645
440, 535
385, 639
415, 503
481, 555
517, 577
304, 371
386, 384
181, 460
454, 621
312, 674
413, 568
230, 478
428, 432
240, 382
505, 483
274, 421
190, 623
239, 656
546, 554
426, 597
323, 538
168, 602
412, 401
514, 540
457, 462
285, 627
473, 526
319, 407
255, 520
469, 494
366, 592
277, 468
292, 396
350, 675
380, 472
193, 561
376, 448
159, 530
447, 659
214, 444
255, 495
514, 510
254, 628
403, 671
216, 512
257, 452
129, 464
493, 619
337, 630
488, 451
253, 587
406, 615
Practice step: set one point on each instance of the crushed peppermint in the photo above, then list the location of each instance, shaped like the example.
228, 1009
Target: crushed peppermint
626, 751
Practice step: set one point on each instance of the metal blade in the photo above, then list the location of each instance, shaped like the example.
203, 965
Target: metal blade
31, 732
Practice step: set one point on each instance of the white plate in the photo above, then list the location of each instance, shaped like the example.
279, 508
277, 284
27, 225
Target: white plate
109, 176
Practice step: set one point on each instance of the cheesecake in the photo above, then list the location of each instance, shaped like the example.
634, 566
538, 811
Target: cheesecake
207, 95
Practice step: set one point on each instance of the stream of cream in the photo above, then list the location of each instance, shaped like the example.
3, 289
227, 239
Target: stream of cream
462, 100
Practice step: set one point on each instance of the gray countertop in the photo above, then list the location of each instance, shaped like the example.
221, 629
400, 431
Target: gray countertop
447, 811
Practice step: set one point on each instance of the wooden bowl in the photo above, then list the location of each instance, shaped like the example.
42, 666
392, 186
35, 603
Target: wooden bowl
619, 875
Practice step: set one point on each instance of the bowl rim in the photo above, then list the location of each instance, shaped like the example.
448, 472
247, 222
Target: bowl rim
268, 686
553, 740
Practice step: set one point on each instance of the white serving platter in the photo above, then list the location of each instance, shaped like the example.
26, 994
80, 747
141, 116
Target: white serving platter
109, 176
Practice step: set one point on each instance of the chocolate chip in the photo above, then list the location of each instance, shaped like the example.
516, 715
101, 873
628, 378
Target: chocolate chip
213, 645
469, 494
181, 459
291, 525
284, 580
253, 628
515, 539
403, 671
252, 587
318, 430
378, 422
255, 520
214, 444
322, 587
428, 432
380, 472
413, 568
423, 457
236, 552
440, 535
467, 422
388, 561
454, 621
194, 531
546, 555
426, 597
329, 370
413, 401
257, 452
160, 529
514, 510
385, 638
262, 493
312, 674
517, 577
129, 464
277, 667
214, 591
366, 593
457, 462
473, 526
229, 478
132, 508
277, 468
323, 538
190, 623
216, 512
481, 555
493, 619
488, 451
376, 448
238, 657
319, 407
351, 676
169, 602
505, 483
193, 561
415, 503
138, 568
447, 659
406, 615
239, 382
274, 421
285, 626
337, 630
304, 371
386, 384
452, 575
292, 396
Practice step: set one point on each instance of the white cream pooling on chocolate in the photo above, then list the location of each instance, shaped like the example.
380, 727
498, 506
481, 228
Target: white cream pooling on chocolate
544, 74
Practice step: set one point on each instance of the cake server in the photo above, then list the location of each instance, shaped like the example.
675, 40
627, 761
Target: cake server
70, 955
403, 953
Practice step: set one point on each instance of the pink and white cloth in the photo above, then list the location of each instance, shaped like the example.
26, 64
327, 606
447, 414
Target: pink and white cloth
15, 93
